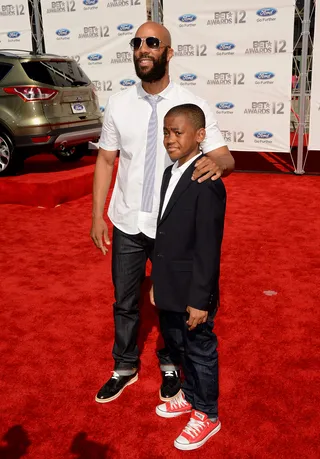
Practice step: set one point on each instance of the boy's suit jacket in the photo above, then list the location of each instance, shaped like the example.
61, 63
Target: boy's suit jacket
186, 262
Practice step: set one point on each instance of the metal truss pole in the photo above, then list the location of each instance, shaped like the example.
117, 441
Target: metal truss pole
36, 26
155, 11
303, 84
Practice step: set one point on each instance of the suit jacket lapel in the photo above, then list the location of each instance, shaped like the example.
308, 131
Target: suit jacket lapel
164, 187
184, 182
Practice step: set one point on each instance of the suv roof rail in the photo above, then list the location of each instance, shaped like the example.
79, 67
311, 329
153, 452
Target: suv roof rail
12, 51
16, 53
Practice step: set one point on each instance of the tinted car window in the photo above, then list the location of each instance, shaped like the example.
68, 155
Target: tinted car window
4, 70
56, 73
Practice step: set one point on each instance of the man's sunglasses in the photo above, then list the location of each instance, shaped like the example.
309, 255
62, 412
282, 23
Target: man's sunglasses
151, 42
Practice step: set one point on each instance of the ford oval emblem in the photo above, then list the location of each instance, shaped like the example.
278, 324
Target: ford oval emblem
225, 105
78, 106
127, 82
90, 2
188, 77
62, 32
125, 27
264, 75
266, 12
263, 135
187, 18
225, 46
94, 57
13, 34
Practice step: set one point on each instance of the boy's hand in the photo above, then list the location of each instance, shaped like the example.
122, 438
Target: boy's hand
196, 317
152, 297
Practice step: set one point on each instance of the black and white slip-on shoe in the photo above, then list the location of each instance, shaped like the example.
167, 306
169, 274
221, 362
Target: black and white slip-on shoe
113, 388
171, 385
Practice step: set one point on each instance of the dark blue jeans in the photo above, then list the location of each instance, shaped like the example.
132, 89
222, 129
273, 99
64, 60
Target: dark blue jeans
197, 351
129, 256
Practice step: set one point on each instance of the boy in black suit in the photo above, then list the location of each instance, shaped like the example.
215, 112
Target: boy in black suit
185, 275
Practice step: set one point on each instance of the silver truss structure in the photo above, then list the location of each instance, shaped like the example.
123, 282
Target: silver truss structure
301, 91
157, 11
36, 26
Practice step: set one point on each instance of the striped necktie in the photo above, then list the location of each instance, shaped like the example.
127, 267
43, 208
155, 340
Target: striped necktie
151, 156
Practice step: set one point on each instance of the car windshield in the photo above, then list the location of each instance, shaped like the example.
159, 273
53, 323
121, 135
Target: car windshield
56, 73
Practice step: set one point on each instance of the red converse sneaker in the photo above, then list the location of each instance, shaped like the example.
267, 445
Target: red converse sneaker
198, 430
175, 407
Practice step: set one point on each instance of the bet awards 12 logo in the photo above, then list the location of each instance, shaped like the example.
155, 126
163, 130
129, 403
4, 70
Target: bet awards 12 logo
227, 79
189, 50
227, 18
120, 3
102, 85
94, 32
65, 6
267, 47
233, 136
12, 10
265, 108
122, 58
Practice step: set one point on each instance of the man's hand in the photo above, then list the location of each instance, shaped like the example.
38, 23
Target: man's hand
99, 234
196, 317
152, 297
206, 168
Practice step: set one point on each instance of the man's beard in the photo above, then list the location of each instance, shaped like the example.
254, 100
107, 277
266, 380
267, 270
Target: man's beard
158, 70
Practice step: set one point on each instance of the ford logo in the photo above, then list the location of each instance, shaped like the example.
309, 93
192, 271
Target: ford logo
225, 105
266, 12
264, 75
13, 34
62, 32
94, 57
90, 2
125, 27
225, 46
263, 135
127, 82
78, 106
188, 77
187, 18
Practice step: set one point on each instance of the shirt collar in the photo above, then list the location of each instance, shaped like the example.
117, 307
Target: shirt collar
167, 93
175, 168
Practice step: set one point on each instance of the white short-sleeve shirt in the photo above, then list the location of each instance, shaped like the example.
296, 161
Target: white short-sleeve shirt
125, 128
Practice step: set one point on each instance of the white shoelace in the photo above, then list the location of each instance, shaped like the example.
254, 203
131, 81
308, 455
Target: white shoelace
194, 427
171, 373
179, 401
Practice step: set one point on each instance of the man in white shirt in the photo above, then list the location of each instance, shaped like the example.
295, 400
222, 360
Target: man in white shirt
133, 125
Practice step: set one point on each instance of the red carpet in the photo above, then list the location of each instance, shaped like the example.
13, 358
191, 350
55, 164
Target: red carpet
47, 182
57, 333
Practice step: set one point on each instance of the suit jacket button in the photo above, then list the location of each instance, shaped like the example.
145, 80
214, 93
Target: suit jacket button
159, 255
162, 233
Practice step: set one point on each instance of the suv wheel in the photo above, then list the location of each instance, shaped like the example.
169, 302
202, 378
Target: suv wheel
7, 160
72, 153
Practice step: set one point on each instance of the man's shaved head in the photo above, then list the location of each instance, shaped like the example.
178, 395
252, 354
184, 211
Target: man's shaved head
151, 64
153, 29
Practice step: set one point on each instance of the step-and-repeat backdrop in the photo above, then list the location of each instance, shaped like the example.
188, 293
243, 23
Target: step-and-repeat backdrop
15, 29
314, 138
97, 34
237, 55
